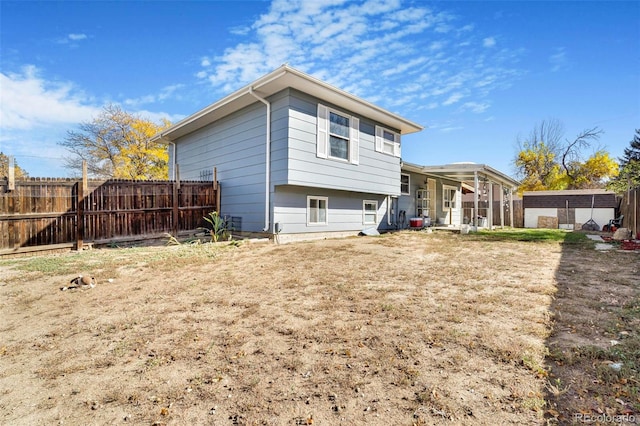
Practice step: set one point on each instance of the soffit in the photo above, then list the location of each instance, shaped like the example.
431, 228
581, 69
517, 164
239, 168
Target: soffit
280, 79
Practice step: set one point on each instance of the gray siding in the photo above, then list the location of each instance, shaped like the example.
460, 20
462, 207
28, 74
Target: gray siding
376, 172
407, 203
235, 146
344, 210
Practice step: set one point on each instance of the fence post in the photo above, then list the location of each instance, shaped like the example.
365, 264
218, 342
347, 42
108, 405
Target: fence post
80, 215
11, 184
85, 184
81, 190
176, 201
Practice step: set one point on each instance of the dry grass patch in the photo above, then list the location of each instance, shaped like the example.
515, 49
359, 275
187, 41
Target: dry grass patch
409, 328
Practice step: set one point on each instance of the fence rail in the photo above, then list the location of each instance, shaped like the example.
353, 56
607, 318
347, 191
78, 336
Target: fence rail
40, 214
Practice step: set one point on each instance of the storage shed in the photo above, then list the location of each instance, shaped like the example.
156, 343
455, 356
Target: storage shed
568, 209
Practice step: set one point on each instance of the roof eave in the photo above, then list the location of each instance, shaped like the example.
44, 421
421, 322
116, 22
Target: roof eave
272, 83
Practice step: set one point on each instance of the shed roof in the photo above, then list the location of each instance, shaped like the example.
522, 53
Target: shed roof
564, 192
575, 198
280, 79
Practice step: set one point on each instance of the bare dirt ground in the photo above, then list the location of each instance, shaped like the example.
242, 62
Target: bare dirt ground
405, 329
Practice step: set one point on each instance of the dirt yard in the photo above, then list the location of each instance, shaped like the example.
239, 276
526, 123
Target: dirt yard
405, 329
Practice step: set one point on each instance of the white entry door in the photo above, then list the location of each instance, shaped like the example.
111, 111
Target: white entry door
451, 200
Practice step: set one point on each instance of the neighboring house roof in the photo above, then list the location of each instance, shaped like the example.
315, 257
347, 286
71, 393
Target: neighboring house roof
464, 172
280, 79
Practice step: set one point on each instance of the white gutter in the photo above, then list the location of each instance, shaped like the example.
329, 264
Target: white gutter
267, 179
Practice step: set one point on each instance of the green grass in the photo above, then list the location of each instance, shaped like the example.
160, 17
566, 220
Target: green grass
531, 235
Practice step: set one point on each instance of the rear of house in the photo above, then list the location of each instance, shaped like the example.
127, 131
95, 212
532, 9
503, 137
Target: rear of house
295, 157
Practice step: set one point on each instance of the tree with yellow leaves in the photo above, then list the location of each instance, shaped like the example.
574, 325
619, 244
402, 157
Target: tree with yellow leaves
546, 162
115, 144
18, 172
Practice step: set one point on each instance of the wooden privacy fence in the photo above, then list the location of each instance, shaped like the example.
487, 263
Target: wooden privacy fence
630, 208
45, 214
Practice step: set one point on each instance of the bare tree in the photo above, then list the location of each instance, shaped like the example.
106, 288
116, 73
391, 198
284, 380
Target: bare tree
571, 151
545, 139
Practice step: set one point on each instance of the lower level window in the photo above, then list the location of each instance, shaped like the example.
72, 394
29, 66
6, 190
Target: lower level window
317, 210
369, 212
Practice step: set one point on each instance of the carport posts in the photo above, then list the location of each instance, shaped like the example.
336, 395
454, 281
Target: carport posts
475, 198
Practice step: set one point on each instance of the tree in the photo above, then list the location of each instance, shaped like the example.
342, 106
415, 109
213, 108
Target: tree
629, 172
593, 172
19, 173
115, 144
546, 162
538, 168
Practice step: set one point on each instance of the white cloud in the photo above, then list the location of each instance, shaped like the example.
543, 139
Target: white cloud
72, 39
558, 60
29, 101
489, 42
165, 93
377, 49
475, 107
450, 129
453, 99
76, 37
157, 117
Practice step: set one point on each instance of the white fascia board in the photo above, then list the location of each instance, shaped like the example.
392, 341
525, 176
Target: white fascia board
274, 82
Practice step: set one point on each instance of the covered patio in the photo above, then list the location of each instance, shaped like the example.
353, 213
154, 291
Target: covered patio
476, 178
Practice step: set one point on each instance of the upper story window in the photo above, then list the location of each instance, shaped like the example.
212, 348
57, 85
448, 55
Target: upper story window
405, 181
387, 141
338, 135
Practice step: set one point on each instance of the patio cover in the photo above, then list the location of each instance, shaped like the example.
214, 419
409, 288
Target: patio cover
470, 175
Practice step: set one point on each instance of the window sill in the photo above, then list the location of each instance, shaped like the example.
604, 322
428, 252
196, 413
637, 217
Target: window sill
341, 160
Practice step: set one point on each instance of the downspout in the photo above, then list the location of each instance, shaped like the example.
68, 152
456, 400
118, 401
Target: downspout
267, 179
173, 168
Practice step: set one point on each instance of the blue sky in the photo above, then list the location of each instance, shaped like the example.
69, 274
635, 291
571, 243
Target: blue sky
476, 74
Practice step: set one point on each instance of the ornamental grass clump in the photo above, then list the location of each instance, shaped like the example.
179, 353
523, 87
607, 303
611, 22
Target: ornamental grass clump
219, 229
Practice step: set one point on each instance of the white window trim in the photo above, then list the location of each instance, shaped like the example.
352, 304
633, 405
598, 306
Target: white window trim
380, 141
455, 199
408, 184
323, 148
326, 216
422, 202
364, 212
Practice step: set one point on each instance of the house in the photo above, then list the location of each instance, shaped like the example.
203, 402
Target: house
295, 157
568, 209
436, 193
